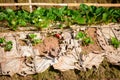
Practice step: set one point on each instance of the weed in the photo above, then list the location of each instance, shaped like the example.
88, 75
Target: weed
115, 42
33, 40
8, 45
85, 39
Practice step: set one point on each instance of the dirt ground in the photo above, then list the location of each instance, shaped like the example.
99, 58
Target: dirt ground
91, 47
48, 45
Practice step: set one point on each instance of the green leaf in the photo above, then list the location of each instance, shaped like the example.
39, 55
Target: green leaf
2, 15
2, 40
36, 41
21, 22
80, 20
69, 12
84, 7
32, 36
87, 41
114, 20
90, 20
9, 12
93, 9
99, 10
13, 22
115, 42
39, 11
8, 46
80, 35
62, 10
105, 17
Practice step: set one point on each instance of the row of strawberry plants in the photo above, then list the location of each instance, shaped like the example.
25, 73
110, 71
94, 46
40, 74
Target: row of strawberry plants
43, 17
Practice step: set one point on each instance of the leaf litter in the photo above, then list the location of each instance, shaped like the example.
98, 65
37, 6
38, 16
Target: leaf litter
63, 53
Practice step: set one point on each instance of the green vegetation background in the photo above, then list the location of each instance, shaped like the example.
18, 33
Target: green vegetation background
57, 1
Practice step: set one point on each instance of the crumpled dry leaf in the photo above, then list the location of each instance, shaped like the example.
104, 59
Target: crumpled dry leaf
92, 59
116, 30
66, 36
27, 67
17, 60
107, 32
42, 64
102, 41
2, 55
65, 63
26, 51
113, 57
11, 66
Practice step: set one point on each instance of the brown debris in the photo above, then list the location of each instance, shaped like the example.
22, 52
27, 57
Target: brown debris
49, 46
91, 47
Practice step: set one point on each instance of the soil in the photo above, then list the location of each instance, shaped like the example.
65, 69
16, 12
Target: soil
49, 46
91, 47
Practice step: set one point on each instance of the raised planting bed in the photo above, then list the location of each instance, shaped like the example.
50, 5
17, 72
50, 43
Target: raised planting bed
64, 44
34, 51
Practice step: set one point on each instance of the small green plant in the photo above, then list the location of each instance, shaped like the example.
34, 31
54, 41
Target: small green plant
36, 41
8, 45
85, 39
2, 40
33, 39
115, 42
32, 36
80, 35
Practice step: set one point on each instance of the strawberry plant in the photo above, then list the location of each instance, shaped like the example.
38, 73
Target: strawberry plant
32, 36
87, 41
2, 40
44, 17
80, 35
84, 38
115, 42
33, 39
7, 45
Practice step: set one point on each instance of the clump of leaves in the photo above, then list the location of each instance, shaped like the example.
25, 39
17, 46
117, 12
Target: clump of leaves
44, 17
80, 35
2, 40
85, 39
7, 45
115, 42
33, 39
